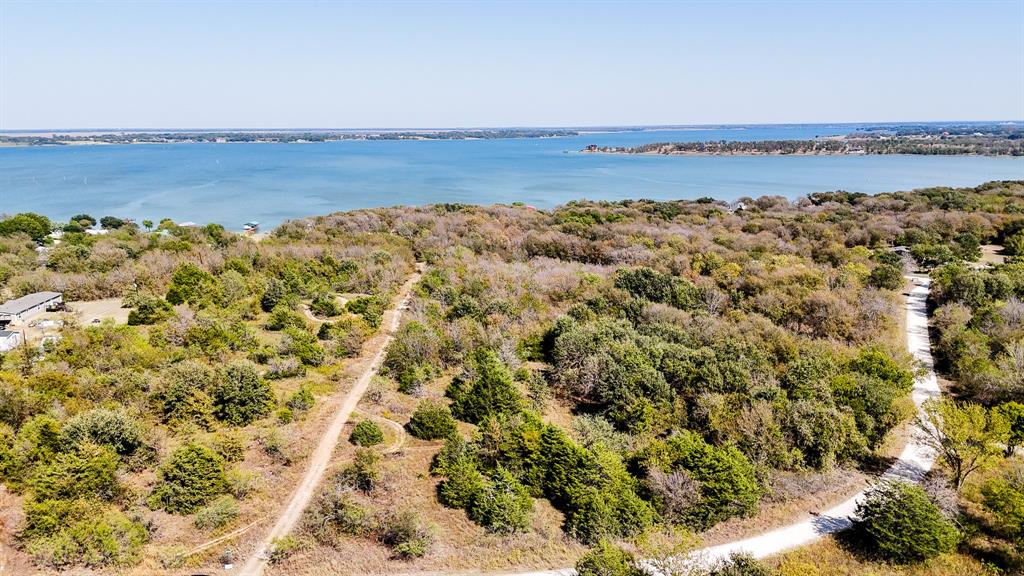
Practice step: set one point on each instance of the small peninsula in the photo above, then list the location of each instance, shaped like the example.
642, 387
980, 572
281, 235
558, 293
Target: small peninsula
963, 140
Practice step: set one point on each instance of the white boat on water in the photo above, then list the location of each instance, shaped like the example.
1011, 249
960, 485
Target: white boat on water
251, 226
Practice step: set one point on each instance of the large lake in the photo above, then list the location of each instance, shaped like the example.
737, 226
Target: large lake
235, 183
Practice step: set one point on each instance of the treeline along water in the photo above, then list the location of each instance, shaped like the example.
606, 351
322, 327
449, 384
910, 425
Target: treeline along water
235, 183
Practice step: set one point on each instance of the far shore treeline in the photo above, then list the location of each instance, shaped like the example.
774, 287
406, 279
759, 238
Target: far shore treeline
972, 139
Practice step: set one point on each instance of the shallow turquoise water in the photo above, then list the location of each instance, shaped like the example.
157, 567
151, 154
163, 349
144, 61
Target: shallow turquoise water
235, 183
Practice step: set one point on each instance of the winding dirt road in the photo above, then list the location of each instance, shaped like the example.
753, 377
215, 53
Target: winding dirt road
915, 460
321, 457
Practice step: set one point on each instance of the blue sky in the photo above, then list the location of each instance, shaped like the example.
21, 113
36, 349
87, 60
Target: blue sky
339, 64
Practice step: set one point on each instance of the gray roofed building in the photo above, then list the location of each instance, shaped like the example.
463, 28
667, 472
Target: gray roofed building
29, 305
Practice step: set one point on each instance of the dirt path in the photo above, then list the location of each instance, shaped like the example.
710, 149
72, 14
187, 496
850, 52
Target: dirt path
400, 437
321, 457
915, 460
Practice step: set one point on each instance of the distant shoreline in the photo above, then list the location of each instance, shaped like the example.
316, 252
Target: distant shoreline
960, 141
55, 138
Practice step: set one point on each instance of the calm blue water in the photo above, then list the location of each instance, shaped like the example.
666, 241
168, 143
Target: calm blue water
235, 183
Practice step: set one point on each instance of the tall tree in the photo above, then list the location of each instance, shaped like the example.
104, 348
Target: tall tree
967, 437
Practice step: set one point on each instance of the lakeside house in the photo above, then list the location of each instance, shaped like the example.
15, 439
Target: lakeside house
21, 309
9, 340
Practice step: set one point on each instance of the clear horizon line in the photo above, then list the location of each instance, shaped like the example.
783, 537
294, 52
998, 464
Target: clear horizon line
509, 127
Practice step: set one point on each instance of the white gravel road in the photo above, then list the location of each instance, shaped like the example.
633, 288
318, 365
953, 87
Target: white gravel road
912, 464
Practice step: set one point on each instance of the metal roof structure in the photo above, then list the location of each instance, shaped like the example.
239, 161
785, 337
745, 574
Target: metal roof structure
19, 305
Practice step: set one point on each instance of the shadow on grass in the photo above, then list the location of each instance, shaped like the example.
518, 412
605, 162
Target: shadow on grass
985, 543
876, 465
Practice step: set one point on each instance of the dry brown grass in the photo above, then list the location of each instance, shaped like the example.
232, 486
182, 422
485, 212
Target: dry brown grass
828, 558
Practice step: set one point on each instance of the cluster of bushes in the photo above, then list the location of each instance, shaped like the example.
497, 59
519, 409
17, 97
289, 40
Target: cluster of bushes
781, 407
338, 511
69, 475
697, 484
517, 456
193, 392
980, 319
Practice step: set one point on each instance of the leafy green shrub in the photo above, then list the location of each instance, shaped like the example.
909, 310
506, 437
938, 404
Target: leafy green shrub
650, 285
38, 440
728, 484
502, 504
89, 472
463, 482
111, 222
413, 379
84, 220
274, 446
346, 335
275, 293
89, 534
363, 473
607, 559
241, 396
241, 483
284, 415
1014, 245
431, 421
325, 306
898, 522
371, 308
217, 514
606, 362
1003, 496
150, 310
184, 396
230, 445
31, 224
491, 393
612, 510
875, 362
407, 534
1013, 414
303, 345
366, 433
302, 400
335, 512
190, 478
282, 317
824, 434
282, 548
113, 428
887, 277
411, 357
932, 255
738, 564
190, 284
